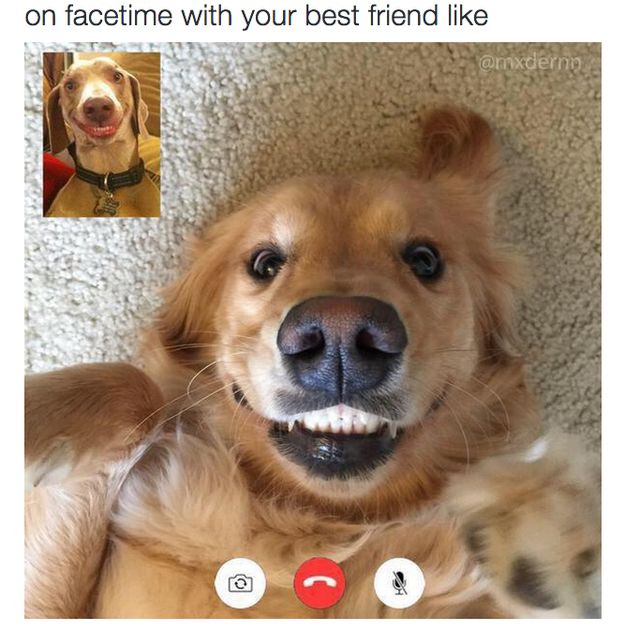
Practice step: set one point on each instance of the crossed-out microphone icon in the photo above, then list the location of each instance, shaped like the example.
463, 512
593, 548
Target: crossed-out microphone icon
399, 583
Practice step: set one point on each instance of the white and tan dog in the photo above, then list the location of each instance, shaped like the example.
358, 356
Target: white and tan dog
101, 103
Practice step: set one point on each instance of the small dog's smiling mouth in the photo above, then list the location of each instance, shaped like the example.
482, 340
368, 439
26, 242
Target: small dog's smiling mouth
99, 131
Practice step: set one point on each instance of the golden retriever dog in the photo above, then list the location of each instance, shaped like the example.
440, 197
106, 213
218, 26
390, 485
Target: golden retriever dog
101, 103
334, 375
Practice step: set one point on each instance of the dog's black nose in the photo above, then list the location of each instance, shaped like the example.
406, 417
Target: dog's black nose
98, 109
341, 346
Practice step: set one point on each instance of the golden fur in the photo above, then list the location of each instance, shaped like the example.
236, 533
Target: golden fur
462, 496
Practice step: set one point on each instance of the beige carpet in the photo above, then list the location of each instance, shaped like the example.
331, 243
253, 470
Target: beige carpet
236, 117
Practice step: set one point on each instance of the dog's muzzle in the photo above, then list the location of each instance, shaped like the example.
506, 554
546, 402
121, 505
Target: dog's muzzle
341, 354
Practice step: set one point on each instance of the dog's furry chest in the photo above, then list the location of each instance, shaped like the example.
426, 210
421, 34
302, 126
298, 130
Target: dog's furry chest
79, 199
186, 509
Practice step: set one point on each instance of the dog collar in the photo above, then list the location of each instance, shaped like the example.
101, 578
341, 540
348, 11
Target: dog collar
109, 181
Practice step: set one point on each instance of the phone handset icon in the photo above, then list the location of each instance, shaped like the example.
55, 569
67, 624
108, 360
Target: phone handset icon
319, 583
324, 579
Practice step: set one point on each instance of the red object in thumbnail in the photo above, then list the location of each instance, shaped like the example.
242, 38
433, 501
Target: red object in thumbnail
319, 583
55, 176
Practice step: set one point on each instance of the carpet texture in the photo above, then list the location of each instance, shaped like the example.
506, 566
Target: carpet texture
237, 117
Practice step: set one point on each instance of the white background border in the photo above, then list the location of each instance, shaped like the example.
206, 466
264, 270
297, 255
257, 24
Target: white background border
526, 21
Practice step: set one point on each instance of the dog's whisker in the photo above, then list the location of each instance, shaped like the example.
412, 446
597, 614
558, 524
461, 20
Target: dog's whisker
453, 349
220, 333
208, 345
155, 412
500, 401
208, 366
199, 345
450, 383
196, 403
456, 418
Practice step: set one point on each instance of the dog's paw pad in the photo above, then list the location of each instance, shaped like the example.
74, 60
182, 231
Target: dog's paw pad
476, 540
527, 583
532, 525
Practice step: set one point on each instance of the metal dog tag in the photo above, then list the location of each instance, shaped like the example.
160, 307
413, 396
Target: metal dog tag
106, 205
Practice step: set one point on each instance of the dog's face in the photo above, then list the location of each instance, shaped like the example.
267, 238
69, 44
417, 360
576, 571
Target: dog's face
99, 100
337, 313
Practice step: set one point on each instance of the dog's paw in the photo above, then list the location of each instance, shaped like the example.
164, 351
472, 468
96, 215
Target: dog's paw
532, 524
80, 419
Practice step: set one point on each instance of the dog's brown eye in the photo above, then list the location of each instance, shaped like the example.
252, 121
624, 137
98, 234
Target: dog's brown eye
265, 264
118, 77
424, 260
70, 85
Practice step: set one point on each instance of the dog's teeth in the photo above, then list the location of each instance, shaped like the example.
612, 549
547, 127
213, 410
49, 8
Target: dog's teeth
356, 424
359, 425
324, 424
336, 424
372, 423
342, 420
346, 424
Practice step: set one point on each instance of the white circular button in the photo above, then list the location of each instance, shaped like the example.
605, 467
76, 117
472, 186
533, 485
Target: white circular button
399, 583
240, 583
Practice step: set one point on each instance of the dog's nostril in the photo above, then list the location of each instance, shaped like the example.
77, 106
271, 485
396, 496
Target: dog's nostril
302, 343
376, 340
366, 344
365, 341
312, 341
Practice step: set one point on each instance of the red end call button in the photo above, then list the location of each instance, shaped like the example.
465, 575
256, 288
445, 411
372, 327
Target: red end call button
319, 583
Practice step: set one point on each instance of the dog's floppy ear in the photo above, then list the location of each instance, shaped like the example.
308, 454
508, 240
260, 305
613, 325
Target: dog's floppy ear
186, 325
59, 139
462, 161
140, 109
459, 149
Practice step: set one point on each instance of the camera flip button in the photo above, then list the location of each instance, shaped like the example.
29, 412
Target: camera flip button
240, 583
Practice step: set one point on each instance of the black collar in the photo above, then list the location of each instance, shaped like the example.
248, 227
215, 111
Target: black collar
109, 181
